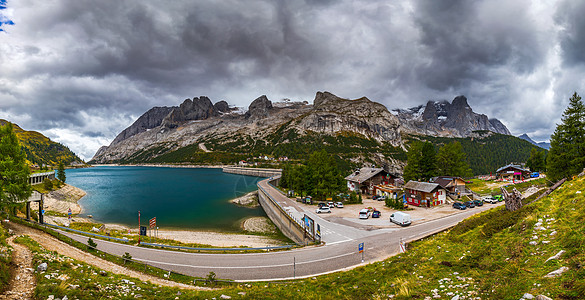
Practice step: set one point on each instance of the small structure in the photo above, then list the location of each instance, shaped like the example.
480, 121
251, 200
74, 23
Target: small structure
512, 173
424, 194
365, 179
36, 197
388, 190
38, 178
455, 186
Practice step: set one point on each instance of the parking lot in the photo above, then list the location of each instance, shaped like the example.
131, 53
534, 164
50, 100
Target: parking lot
348, 215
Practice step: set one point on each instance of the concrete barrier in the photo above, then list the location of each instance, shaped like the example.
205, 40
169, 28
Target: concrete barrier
291, 228
258, 172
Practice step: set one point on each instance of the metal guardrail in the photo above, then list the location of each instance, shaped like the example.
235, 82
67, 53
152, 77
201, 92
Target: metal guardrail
89, 233
218, 249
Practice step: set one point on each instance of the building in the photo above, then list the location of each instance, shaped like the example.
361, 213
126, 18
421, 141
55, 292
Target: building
424, 194
455, 186
365, 179
512, 173
388, 190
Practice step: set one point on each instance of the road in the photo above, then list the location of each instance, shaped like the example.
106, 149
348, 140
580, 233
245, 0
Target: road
339, 252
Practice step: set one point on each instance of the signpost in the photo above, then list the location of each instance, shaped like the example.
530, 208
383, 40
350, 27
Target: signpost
143, 230
319, 232
139, 227
152, 224
361, 250
69, 214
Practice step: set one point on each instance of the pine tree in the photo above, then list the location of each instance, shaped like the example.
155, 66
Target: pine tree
452, 161
14, 171
412, 170
61, 172
428, 161
567, 150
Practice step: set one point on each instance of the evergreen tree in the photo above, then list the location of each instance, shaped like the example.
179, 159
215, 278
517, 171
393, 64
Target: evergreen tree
536, 162
428, 162
452, 161
325, 177
61, 172
412, 170
567, 146
14, 171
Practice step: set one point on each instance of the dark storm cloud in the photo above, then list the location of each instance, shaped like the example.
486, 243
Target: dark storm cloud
570, 17
465, 39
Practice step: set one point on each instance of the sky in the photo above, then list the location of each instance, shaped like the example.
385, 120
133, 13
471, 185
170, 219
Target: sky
81, 71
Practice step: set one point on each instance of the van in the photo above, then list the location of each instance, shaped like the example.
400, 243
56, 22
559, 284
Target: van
400, 218
364, 213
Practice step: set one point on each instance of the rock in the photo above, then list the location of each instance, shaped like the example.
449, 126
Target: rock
150, 119
42, 267
527, 296
103, 273
242, 293
259, 108
543, 297
51, 297
455, 298
95, 229
222, 106
224, 296
557, 272
556, 256
533, 243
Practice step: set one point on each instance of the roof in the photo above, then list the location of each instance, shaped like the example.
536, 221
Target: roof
364, 174
426, 187
517, 167
445, 181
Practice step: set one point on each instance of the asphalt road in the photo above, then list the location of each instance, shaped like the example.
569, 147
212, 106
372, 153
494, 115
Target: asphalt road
339, 252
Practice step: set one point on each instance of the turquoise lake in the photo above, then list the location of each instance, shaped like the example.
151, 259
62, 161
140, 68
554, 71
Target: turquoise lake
177, 197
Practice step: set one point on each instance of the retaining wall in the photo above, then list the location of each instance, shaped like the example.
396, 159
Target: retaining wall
281, 218
258, 172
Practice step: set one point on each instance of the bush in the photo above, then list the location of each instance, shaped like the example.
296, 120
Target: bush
48, 184
91, 243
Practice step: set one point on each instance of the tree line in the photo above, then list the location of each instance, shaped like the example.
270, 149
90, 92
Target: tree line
424, 162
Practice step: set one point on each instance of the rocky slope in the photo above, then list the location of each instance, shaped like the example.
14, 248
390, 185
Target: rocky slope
268, 127
455, 119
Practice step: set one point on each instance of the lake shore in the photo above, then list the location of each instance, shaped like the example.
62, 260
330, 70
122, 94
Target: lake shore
65, 198
165, 166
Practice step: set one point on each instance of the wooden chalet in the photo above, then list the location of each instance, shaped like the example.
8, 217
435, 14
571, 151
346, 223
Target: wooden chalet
365, 179
388, 190
455, 186
512, 173
424, 194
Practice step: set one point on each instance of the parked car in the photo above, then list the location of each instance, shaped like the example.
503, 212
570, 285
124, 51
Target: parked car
364, 213
375, 197
500, 198
459, 205
489, 199
381, 198
478, 202
339, 205
376, 214
470, 204
400, 218
331, 204
321, 204
323, 209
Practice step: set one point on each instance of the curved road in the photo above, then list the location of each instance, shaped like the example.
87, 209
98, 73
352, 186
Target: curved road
339, 252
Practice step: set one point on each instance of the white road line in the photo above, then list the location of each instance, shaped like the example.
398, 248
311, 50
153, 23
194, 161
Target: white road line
246, 267
338, 242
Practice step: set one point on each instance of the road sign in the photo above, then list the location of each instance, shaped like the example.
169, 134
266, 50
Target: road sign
152, 223
69, 212
42, 212
361, 247
318, 230
143, 230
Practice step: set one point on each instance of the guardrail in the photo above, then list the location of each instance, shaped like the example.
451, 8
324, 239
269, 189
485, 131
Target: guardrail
218, 249
88, 233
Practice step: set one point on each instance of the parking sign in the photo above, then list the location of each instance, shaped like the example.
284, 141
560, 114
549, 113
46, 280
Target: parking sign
361, 247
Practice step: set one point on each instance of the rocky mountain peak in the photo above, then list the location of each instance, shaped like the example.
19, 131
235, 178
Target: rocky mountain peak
197, 109
222, 106
259, 108
460, 102
321, 98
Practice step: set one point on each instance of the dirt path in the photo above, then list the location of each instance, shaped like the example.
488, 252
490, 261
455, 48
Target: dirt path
52, 244
23, 283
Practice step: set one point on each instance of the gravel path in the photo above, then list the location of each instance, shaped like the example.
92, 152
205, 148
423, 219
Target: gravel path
23, 283
52, 244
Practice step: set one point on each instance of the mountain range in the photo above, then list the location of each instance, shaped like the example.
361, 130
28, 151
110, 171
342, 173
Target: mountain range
40, 150
198, 131
543, 145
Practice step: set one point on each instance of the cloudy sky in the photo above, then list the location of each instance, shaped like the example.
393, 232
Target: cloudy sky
81, 71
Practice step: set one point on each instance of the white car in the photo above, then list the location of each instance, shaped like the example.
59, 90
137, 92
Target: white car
323, 209
331, 204
365, 213
339, 205
489, 199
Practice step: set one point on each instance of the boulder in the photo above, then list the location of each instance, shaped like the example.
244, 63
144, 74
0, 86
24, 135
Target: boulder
222, 106
42, 267
557, 273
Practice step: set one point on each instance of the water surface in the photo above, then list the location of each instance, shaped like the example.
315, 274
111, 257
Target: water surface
177, 197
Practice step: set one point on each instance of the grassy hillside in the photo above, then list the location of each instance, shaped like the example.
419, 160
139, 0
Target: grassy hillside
488, 152
40, 149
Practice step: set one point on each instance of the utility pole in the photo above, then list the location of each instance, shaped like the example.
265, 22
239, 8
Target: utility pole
138, 227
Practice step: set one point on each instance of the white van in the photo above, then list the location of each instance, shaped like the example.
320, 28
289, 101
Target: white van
364, 213
400, 218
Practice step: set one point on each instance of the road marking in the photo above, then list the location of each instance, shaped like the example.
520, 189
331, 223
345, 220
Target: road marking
246, 267
338, 242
